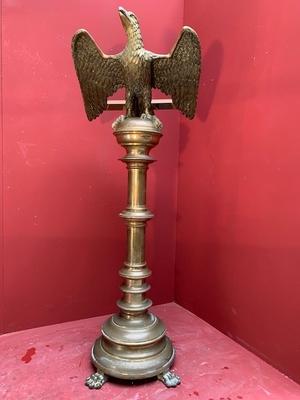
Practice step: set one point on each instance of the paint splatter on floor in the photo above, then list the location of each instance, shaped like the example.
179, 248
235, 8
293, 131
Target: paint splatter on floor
28, 355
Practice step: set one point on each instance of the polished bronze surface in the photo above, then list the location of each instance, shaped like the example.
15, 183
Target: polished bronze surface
133, 343
138, 70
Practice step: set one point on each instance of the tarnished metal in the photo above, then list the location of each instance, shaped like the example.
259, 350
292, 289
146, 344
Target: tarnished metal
133, 343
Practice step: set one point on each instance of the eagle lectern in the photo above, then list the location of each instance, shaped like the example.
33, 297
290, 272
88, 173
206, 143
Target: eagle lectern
133, 343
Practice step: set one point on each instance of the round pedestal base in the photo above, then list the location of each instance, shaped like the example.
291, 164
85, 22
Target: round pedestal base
133, 368
133, 348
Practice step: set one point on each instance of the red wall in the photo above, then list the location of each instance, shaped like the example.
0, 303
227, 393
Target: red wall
62, 184
238, 231
238, 224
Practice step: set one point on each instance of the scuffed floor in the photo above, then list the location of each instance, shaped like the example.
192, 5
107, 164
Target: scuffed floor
51, 363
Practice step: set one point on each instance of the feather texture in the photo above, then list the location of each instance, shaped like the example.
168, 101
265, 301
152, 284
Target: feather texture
99, 75
177, 74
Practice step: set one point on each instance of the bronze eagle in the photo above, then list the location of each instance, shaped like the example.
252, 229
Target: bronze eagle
138, 70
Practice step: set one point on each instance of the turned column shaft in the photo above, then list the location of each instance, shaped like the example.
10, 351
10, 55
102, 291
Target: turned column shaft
135, 270
136, 202
137, 178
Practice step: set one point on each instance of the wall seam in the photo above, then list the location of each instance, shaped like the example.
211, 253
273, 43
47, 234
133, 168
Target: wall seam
2, 325
177, 185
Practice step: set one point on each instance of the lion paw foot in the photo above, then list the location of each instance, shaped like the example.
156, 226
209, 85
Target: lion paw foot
170, 379
96, 380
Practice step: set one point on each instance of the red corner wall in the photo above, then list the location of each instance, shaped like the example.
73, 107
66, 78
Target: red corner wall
238, 231
63, 186
238, 225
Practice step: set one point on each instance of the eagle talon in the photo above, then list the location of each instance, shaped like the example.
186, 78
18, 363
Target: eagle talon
156, 122
116, 123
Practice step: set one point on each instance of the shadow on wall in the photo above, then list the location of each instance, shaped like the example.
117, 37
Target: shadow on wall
211, 69
212, 65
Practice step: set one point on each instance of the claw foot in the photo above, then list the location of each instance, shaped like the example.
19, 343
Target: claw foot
156, 122
170, 379
118, 121
96, 380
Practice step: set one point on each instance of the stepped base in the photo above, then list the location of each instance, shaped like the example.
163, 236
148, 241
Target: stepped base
133, 368
134, 348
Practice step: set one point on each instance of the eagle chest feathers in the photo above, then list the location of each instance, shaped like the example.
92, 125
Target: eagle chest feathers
138, 76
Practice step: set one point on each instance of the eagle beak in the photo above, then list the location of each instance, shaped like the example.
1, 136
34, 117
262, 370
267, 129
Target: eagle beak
124, 16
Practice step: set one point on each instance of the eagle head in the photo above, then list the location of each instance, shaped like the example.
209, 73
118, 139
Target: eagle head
129, 20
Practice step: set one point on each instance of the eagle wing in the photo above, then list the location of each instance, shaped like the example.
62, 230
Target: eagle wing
99, 75
177, 74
